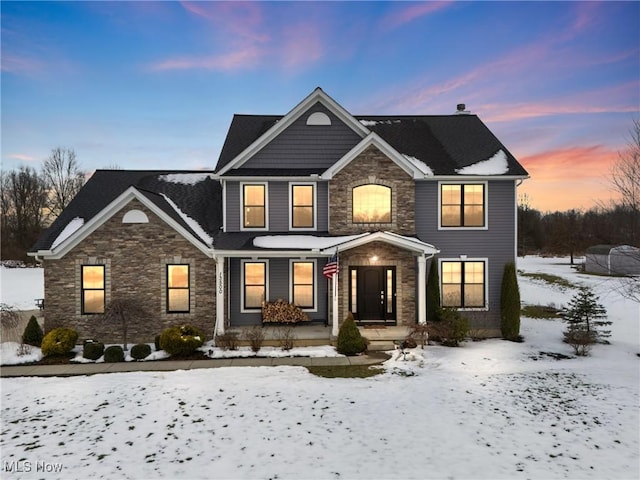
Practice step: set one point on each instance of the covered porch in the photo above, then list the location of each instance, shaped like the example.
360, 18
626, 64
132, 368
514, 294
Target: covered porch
380, 338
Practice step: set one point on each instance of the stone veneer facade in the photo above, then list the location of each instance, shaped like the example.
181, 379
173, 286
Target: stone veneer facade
388, 256
372, 166
135, 256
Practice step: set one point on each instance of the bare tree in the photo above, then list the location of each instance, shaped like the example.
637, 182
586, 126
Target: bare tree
24, 198
625, 180
62, 174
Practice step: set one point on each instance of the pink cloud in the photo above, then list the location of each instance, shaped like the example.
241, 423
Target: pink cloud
241, 59
244, 19
23, 157
301, 45
405, 15
21, 65
574, 177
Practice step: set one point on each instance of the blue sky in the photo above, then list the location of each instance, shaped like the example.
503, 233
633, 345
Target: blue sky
146, 85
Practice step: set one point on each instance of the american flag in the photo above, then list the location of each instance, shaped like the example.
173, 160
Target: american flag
332, 267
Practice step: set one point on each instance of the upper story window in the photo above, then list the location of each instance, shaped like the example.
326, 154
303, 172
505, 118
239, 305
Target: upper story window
302, 206
372, 204
463, 284
93, 289
462, 205
178, 288
254, 205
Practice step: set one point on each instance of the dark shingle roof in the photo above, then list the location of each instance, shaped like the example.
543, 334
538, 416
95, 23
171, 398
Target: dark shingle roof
445, 143
200, 201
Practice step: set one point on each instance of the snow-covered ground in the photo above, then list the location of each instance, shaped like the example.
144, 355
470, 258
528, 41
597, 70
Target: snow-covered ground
490, 409
19, 287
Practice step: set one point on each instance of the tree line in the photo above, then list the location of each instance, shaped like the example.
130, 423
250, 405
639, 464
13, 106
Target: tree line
573, 231
31, 199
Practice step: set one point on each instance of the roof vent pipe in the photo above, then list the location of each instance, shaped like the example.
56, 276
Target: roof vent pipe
461, 109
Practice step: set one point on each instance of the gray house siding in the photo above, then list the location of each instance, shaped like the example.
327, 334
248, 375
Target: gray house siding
307, 146
279, 207
278, 288
496, 243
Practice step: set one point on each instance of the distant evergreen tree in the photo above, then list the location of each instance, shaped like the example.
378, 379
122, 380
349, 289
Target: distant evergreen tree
433, 293
510, 304
586, 320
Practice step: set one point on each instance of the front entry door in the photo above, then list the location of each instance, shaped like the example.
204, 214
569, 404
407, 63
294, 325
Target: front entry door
373, 294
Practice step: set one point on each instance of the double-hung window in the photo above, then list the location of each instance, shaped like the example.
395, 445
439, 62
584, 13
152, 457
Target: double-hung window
178, 288
462, 205
302, 206
93, 287
303, 274
254, 284
463, 284
254, 205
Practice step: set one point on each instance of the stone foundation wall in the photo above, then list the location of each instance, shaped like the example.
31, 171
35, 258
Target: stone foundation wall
135, 256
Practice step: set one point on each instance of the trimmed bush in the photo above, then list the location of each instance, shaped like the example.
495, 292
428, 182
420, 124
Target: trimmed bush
59, 341
350, 341
114, 354
181, 340
255, 336
140, 351
451, 329
93, 350
227, 341
33, 333
510, 304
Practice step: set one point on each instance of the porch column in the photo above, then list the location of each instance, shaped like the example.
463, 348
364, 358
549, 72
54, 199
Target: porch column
220, 288
335, 324
422, 290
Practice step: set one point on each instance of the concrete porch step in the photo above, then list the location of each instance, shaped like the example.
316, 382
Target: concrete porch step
381, 345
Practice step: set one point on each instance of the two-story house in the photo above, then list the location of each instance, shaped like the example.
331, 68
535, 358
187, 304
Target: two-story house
386, 197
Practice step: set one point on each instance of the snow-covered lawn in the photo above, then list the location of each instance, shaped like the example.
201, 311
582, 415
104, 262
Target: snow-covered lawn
491, 409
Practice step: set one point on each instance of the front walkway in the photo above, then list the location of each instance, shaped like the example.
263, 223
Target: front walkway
170, 365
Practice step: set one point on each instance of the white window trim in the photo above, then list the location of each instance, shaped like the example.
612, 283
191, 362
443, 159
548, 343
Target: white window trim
464, 259
486, 205
266, 207
242, 284
315, 282
315, 207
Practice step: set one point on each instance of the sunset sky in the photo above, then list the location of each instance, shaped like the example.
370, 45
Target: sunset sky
145, 85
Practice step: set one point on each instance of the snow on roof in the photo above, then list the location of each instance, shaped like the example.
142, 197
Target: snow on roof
195, 226
184, 178
305, 242
423, 167
68, 230
496, 165
371, 123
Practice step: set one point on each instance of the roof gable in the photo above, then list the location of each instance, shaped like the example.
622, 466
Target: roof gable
278, 126
191, 200
410, 165
62, 247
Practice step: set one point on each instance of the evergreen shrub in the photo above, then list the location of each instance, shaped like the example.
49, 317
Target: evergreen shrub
433, 292
93, 350
350, 341
114, 354
181, 340
59, 341
451, 329
510, 304
33, 333
140, 351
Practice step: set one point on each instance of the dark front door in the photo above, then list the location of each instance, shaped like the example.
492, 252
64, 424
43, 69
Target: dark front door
373, 294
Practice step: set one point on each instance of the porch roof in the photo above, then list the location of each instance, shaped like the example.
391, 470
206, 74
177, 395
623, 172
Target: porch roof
318, 244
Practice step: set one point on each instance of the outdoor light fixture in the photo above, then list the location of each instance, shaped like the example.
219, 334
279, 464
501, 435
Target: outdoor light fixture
374, 259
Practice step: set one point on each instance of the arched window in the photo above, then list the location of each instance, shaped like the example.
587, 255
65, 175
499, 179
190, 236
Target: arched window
372, 204
135, 216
